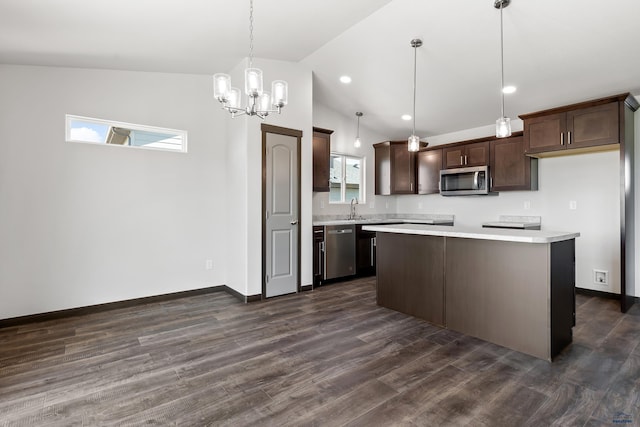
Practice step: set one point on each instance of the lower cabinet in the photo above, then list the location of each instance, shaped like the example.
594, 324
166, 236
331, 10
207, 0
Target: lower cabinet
318, 254
365, 252
410, 275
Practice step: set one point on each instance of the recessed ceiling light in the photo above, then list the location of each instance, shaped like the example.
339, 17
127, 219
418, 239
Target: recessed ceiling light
406, 117
345, 79
508, 89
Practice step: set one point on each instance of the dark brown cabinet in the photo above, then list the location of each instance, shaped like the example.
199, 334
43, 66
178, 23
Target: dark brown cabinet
510, 168
457, 156
365, 252
318, 254
429, 166
410, 275
395, 168
321, 158
579, 126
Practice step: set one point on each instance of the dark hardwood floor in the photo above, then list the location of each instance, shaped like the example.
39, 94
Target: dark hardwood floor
327, 357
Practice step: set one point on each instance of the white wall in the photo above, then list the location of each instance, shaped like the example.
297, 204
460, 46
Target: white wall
244, 211
85, 224
342, 142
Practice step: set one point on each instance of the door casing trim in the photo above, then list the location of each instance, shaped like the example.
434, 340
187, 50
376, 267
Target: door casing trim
266, 128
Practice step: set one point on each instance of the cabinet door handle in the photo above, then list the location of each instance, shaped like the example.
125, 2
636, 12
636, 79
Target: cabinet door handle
569, 138
461, 160
411, 186
465, 160
562, 138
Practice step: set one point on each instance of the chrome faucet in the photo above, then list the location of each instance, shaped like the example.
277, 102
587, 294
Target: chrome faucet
352, 208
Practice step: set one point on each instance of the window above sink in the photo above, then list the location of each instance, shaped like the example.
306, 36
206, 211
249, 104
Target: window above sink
346, 179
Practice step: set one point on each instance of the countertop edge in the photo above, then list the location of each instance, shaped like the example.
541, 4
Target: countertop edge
378, 221
507, 235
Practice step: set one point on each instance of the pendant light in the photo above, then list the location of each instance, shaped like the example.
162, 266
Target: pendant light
503, 124
259, 102
414, 140
357, 143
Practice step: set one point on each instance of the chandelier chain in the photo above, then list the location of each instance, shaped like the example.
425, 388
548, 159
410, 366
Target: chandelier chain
251, 34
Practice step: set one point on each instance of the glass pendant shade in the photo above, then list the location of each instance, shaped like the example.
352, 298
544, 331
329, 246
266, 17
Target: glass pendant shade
221, 86
414, 143
280, 93
234, 99
253, 82
357, 143
503, 127
265, 101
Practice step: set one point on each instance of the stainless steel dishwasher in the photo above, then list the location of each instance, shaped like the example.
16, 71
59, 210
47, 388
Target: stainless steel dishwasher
339, 251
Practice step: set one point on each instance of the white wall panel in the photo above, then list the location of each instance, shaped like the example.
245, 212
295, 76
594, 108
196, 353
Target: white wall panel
84, 224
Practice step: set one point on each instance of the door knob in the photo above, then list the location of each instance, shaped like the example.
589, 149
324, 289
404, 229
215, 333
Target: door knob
294, 222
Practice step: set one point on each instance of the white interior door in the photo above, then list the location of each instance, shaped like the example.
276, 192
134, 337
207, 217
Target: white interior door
282, 216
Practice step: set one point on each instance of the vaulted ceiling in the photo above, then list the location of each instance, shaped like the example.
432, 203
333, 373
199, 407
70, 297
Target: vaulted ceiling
556, 52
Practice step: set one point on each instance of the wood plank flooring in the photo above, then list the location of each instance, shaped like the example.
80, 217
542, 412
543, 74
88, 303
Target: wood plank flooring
328, 357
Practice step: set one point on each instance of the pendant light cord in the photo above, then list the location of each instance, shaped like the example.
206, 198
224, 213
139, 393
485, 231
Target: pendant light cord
415, 67
501, 59
250, 33
358, 130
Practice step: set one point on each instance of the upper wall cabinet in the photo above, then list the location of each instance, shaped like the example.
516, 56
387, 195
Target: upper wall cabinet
429, 165
395, 168
584, 127
321, 158
510, 168
466, 155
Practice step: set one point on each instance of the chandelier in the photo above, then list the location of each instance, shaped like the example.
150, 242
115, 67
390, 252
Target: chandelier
259, 103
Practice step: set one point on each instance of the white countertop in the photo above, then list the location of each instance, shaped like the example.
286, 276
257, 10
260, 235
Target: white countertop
507, 235
377, 221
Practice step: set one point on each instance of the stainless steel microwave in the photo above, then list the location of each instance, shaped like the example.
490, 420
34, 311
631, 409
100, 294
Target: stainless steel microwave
465, 181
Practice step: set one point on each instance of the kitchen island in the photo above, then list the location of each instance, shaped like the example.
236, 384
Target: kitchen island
515, 288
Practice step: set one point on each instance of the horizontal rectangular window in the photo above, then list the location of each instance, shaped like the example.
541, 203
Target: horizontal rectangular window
98, 131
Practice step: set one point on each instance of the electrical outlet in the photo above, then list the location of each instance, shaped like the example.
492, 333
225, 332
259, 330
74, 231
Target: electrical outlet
386, 205
527, 204
420, 205
321, 204
601, 277
573, 205
208, 264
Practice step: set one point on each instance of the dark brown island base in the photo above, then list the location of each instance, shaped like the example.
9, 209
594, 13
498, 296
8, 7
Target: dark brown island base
514, 288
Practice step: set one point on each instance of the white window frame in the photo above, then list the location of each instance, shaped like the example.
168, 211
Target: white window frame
153, 129
343, 187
